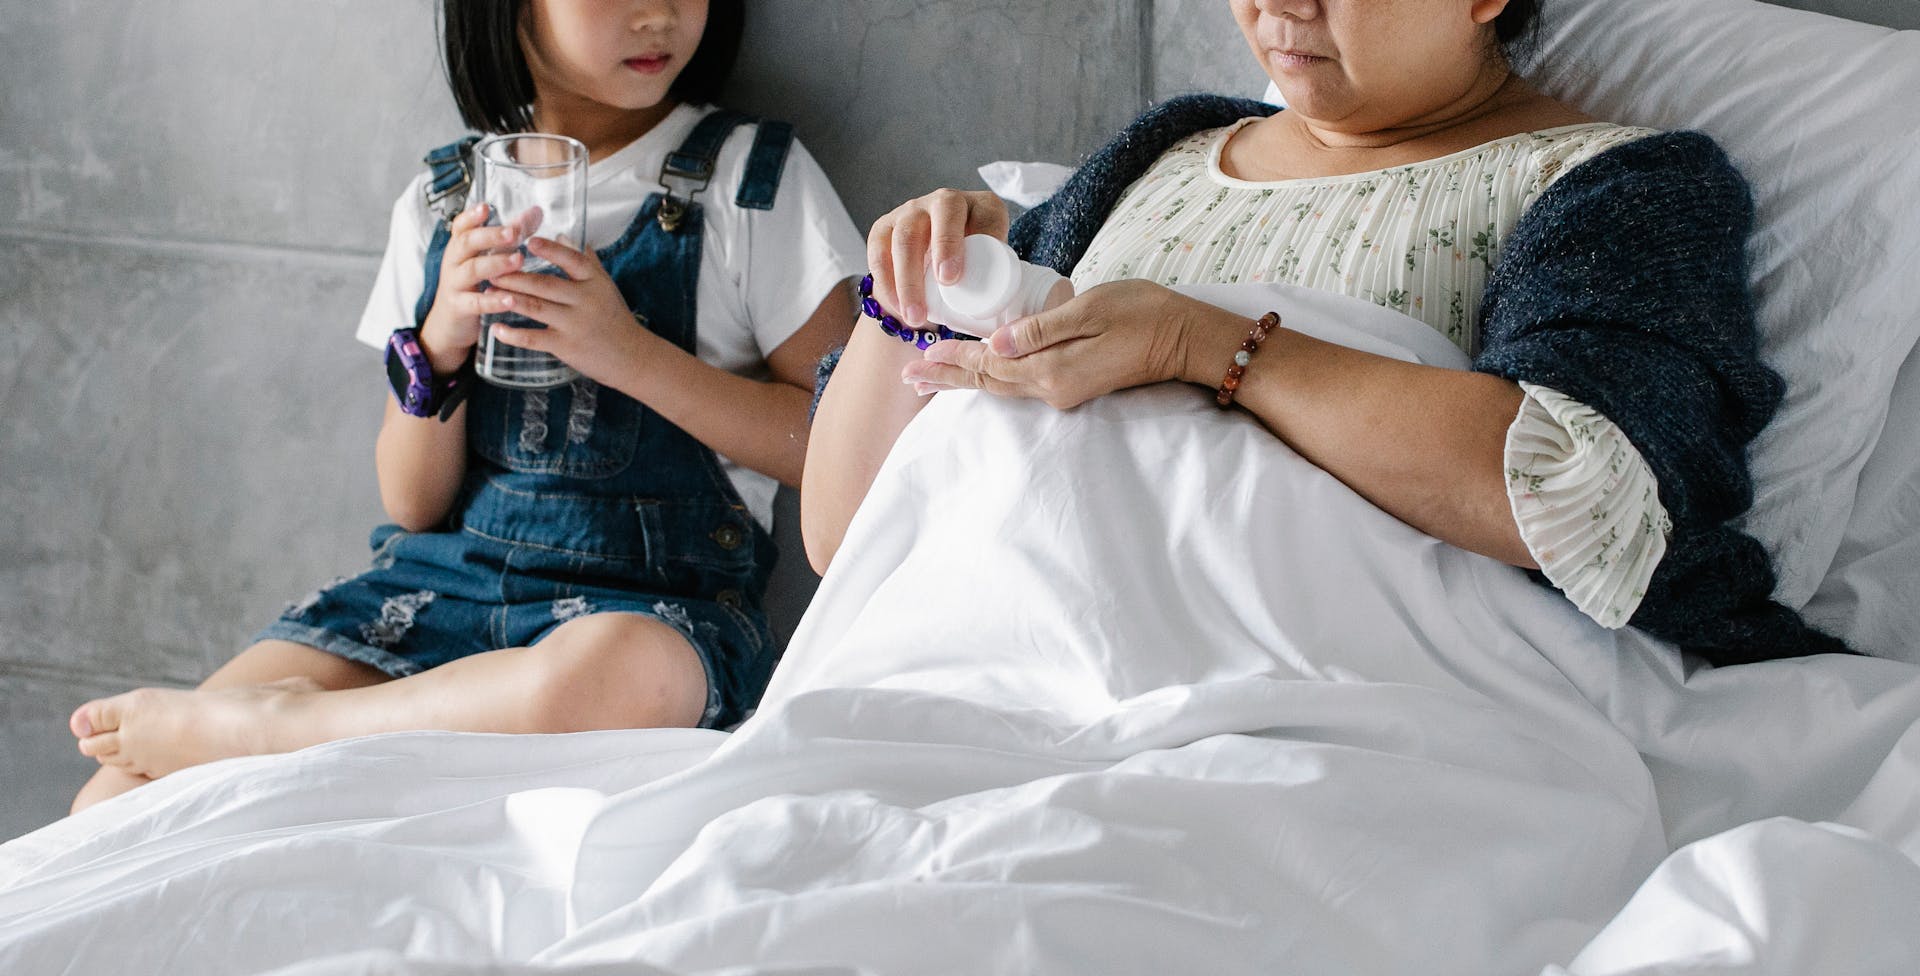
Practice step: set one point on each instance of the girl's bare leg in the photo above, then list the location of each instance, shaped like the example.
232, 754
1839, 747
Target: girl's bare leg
263, 663
601, 671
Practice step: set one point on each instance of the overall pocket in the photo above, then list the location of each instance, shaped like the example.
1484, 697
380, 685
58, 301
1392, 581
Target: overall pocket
580, 430
702, 549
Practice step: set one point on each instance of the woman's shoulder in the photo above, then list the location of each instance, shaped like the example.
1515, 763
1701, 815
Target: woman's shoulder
1676, 194
1648, 164
1567, 138
1558, 151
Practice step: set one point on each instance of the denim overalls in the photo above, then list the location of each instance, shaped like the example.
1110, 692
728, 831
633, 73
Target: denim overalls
579, 499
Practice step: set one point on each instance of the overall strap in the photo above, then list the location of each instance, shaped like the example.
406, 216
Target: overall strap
451, 175
689, 168
436, 249
765, 161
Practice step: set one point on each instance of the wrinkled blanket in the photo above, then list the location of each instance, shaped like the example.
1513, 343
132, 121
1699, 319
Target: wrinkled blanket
1130, 688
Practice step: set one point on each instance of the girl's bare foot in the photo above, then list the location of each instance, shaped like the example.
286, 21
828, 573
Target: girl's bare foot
151, 732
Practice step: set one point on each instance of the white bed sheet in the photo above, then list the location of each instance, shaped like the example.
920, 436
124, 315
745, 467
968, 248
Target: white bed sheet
1378, 754
1050, 722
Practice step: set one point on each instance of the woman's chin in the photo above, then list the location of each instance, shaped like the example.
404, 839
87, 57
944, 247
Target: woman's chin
1305, 98
1303, 105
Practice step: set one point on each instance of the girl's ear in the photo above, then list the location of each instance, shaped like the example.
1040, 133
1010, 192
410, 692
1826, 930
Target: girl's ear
1484, 11
526, 28
523, 15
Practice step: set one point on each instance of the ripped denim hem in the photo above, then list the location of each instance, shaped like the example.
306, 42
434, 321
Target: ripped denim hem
326, 640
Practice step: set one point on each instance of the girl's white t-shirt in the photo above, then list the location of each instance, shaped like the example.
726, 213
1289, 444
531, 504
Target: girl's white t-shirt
762, 272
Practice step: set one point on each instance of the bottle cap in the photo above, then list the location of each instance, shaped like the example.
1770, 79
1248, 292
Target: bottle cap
988, 281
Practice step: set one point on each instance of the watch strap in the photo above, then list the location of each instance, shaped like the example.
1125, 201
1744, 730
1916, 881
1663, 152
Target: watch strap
456, 389
410, 374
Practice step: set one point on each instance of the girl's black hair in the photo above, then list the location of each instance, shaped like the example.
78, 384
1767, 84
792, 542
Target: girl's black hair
1517, 28
487, 71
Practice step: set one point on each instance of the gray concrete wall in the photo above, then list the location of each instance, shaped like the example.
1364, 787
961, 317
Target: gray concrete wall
193, 196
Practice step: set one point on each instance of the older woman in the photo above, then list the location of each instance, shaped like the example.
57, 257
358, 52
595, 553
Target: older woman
1596, 273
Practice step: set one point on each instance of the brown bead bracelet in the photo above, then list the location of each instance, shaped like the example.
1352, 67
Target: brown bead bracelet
1244, 355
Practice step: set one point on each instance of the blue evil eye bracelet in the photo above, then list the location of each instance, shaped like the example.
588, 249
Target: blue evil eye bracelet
921, 338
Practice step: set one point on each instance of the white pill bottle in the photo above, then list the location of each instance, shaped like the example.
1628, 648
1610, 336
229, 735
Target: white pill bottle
995, 288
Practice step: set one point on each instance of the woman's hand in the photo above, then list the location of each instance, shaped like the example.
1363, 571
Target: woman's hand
900, 244
1114, 336
475, 253
588, 323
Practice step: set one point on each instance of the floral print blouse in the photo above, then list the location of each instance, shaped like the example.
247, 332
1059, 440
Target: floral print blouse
1420, 239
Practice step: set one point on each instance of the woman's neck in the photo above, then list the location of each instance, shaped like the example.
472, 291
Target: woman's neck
1491, 89
603, 129
1290, 145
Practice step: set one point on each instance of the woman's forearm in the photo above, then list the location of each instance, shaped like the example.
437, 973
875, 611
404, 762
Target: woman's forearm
861, 414
1424, 444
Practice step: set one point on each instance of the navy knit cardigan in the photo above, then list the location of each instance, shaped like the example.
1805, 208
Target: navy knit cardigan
1623, 287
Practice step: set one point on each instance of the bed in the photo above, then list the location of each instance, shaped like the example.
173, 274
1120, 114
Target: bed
1070, 732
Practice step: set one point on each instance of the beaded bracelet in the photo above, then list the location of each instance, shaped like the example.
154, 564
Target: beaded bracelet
921, 338
1244, 355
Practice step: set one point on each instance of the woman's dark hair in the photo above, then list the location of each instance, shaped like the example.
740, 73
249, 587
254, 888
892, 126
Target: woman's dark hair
1517, 28
487, 71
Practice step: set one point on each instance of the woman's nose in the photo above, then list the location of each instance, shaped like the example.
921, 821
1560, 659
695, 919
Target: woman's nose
1297, 9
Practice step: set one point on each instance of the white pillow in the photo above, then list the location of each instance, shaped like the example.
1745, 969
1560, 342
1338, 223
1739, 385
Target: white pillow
1024, 184
1820, 114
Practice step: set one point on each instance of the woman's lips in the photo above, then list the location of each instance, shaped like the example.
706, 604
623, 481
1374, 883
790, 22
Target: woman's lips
1296, 59
649, 66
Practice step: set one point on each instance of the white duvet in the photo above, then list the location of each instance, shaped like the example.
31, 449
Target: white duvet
1126, 689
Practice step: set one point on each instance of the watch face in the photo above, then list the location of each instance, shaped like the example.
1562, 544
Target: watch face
406, 369
398, 378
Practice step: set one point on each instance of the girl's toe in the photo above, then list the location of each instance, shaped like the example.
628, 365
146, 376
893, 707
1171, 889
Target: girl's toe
102, 746
105, 714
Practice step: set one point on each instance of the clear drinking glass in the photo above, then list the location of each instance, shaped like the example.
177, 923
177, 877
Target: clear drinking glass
539, 183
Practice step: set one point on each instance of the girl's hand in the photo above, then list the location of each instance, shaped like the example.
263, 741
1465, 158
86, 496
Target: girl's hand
1111, 337
588, 323
899, 244
475, 253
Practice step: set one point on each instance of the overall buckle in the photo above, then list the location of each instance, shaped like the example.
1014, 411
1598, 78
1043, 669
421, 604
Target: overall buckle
695, 172
446, 201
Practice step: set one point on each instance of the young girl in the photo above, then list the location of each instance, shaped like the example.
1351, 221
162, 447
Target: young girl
590, 556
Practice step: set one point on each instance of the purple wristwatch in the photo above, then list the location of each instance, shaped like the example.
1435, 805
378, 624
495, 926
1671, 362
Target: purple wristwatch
410, 374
